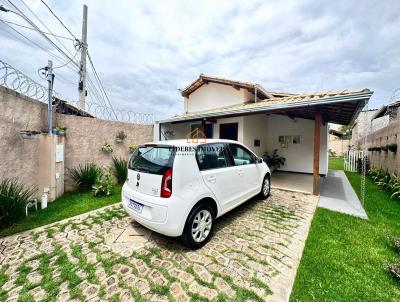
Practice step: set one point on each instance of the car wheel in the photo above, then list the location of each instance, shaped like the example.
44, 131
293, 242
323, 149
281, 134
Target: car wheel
266, 187
198, 226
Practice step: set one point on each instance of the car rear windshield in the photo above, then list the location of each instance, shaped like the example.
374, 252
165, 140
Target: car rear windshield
152, 159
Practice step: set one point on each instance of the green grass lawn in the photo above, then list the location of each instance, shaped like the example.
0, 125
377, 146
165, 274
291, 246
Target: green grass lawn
68, 205
345, 257
336, 163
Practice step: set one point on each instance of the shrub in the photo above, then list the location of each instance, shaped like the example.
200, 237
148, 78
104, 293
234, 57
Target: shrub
386, 181
14, 197
274, 160
85, 176
120, 169
132, 148
104, 184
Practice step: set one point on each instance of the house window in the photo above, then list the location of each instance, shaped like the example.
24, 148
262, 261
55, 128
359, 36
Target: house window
208, 131
228, 131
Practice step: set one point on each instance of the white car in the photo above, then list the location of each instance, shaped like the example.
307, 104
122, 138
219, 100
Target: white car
178, 188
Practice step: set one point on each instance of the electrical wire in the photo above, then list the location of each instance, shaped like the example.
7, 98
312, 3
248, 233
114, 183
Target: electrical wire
37, 17
27, 27
44, 35
100, 83
51, 11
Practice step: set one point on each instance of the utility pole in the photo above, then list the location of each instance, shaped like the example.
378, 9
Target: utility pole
50, 80
84, 45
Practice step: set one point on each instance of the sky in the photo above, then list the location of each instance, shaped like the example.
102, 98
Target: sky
145, 51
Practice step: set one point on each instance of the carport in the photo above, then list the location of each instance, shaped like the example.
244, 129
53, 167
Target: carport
310, 112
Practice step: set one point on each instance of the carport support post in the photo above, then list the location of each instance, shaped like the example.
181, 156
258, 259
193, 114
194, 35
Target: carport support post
317, 142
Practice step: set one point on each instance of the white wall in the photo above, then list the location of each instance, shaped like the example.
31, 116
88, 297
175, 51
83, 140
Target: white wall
213, 95
299, 158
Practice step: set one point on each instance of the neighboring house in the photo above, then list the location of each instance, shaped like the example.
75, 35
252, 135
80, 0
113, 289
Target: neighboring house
295, 124
368, 121
337, 142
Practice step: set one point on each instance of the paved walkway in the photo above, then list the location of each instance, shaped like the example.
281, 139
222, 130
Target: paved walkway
105, 255
338, 195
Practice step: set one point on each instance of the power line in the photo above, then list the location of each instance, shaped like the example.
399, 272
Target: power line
27, 27
100, 83
51, 11
44, 35
37, 17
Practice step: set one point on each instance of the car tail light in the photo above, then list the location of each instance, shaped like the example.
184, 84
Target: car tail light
166, 184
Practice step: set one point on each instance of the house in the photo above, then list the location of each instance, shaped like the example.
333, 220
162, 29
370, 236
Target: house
295, 124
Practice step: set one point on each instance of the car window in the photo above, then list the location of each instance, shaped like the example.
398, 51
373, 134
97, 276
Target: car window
211, 156
241, 156
150, 159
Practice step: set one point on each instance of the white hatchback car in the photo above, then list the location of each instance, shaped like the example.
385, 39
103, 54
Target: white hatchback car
178, 188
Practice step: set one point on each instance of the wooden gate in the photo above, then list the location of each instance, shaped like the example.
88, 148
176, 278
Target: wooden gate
351, 159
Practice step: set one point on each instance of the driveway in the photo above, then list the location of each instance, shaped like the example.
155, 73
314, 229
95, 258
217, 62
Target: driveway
104, 255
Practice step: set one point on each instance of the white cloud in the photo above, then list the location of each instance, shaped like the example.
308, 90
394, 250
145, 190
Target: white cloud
145, 50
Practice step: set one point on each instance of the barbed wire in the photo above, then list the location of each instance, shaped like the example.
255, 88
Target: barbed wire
14, 79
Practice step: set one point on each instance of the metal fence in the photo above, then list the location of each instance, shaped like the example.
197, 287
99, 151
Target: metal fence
14, 79
351, 159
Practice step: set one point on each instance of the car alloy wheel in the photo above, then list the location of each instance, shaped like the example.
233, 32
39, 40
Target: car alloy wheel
201, 226
266, 187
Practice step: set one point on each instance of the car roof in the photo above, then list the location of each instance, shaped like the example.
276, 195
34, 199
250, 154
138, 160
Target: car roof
192, 142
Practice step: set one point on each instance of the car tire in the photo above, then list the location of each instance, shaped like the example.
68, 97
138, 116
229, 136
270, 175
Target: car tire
199, 226
266, 187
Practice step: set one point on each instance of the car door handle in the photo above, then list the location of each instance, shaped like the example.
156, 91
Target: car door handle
211, 179
240, 172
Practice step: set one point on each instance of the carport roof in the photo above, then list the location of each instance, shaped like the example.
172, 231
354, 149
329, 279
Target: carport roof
340, 107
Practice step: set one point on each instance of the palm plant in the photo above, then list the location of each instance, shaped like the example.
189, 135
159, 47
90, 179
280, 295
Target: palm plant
120, 169
273, 160
85, 176
14, 197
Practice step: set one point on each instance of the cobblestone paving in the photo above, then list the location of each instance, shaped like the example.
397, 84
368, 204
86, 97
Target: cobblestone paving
105, 256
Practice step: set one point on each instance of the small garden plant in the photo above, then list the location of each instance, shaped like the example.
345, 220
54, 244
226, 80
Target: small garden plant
108, 148
386, 181
274, 161
132, 148
104, 184
85, 176
14, 197
120, 137
120, 169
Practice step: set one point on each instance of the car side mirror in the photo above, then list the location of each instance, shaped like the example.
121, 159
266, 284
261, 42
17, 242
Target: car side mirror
259, 160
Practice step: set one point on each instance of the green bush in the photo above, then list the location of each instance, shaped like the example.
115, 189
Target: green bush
274, 160
85, 176
120, 169
104, 184
13, 199
386, 181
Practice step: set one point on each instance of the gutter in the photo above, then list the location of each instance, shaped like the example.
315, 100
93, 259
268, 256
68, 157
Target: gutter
331, 100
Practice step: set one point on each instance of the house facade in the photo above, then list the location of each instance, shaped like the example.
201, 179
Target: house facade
294, 124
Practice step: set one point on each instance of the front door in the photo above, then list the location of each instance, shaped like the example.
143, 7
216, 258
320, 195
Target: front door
228, 131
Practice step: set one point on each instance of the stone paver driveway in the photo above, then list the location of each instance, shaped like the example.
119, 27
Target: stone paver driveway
253, 256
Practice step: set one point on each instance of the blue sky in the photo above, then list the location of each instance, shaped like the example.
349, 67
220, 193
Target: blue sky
145, 51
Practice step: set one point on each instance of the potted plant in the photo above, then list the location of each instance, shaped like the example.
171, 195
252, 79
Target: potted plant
107, 148
132, 148
60, 130
384, 148
392, 147
379, 149
119, 138
28, 134
371, 149
274, 161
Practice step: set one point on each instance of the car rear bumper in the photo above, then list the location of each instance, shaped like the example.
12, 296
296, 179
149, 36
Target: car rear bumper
162, 215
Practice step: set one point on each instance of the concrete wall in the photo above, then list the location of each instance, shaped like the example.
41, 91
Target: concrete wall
84, 138
213, 95
387, 161
299, 158
339, 146
19, 157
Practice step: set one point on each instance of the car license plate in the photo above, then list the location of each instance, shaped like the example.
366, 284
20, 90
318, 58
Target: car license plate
136, 206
